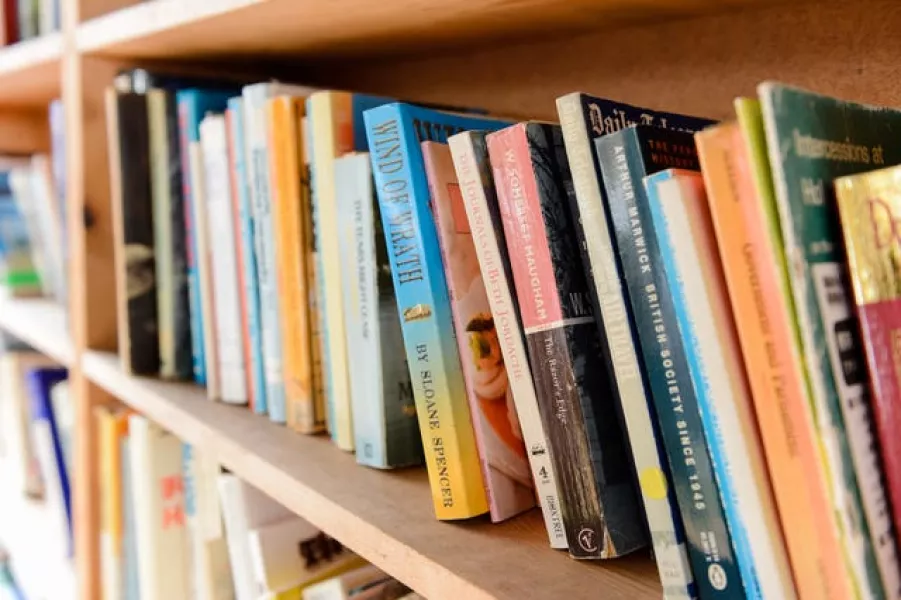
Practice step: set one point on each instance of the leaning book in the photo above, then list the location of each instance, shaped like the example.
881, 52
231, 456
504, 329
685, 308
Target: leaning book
394, 132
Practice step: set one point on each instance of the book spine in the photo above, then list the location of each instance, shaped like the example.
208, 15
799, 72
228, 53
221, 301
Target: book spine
470, 155
548, 338
234, 185
58, 160
283, 122
257, 158
182, 358
669, 380
203, 265
224, 270
247, 259
357, 266
139, 343
198, 353
424, 309
162, 230
671, 547
332, 137
311, 261
772, 362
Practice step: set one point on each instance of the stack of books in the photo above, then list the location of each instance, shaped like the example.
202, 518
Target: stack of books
660, 330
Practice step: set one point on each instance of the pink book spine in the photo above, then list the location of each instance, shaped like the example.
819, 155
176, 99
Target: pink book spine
505, 467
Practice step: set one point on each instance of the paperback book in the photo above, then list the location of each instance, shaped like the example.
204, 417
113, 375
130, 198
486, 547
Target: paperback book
684, 232
386, 431
394, 133
587, 444
472, 164
505, 468
625, 158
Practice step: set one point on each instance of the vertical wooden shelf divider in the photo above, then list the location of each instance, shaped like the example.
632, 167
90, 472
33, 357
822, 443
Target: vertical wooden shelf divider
92, 305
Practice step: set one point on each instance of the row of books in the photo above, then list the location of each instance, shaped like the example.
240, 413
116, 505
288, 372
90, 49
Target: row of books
37, 432
173, 525
650, 327
33, 222
27, 19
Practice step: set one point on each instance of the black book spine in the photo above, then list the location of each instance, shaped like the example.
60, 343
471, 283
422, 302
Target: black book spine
625, 159
141, 352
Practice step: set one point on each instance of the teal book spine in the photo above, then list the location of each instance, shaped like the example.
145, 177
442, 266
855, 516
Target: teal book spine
625, 159
193, 104
394, 133
249, 260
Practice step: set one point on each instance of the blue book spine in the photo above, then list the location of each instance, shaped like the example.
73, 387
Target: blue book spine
193, 105
248, 253
394, 133
130, 587
700, 374
40, 382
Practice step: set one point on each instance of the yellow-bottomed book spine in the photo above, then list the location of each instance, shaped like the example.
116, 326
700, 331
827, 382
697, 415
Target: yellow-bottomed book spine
113, 426
283, 116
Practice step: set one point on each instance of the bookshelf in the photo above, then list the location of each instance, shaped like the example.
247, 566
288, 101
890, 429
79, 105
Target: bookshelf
512, 58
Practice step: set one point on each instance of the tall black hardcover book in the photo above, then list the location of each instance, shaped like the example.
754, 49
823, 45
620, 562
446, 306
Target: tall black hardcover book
128, 144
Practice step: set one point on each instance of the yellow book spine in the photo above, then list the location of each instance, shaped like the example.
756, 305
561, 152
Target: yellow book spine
331, 120
283, 119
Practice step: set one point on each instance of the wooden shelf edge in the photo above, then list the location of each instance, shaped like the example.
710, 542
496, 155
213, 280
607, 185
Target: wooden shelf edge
386, 517
31, 53
41, 323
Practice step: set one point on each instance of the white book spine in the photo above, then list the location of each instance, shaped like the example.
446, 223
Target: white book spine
232, 500
359, 297
224, 261
203, 268
510, 333
156, 465
679, 208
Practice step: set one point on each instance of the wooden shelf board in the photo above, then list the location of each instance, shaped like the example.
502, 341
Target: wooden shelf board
174, 29
384, 516
41, 323
30, 72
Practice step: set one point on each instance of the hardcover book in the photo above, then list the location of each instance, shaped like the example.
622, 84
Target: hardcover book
112, 426
336, 122
257, 158
168, 235
133, 231
394, 133
247, 258
812, 140
473, 167
289, 192
684, 232
505, 468
584, 119
58, 167
193, 104
587, 444
742, 208
222, 263
869, 207
625, 158
386, 431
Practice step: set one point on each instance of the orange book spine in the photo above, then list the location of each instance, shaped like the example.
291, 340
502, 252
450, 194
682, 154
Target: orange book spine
283, 117
234, 184
773, 364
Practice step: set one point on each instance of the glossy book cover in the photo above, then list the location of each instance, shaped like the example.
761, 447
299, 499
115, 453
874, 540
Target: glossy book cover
870, 211
394, 133
505, 468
